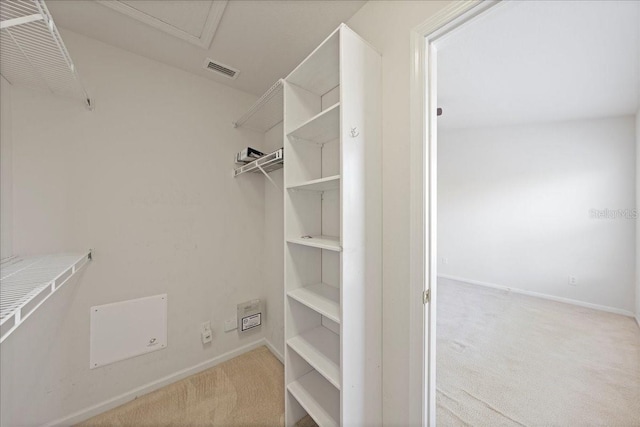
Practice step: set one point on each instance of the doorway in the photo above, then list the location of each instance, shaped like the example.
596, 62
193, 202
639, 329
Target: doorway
499, 192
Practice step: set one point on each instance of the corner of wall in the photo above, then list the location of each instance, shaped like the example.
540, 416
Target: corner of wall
637, 222
6, 171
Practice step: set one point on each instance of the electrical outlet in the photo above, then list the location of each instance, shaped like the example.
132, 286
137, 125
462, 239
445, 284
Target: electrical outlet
573, 280
230, 325
205, 332
445, 260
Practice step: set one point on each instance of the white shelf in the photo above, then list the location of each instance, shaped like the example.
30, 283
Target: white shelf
318, 397
320, 71
323, 242
25, 283
321, 349
322, 184
321, 298
32, 52
266, 112
268, 163
321, 128
333, 156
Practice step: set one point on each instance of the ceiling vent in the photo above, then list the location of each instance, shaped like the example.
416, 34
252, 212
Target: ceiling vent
223, 70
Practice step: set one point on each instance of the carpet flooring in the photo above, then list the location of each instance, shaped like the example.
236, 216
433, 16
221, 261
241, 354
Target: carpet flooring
506, 359
245, 391
503, 359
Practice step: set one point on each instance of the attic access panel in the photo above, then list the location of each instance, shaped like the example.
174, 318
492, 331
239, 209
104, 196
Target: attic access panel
195, 22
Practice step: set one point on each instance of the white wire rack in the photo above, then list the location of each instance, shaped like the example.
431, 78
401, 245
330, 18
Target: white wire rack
267, 111
265, 164
32, 52
25, 283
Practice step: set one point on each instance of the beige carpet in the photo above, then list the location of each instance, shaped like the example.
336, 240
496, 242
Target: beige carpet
245, 391
510, 360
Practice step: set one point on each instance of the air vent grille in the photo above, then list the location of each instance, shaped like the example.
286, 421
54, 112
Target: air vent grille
221, 69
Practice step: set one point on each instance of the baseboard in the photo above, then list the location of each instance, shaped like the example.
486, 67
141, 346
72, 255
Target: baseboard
274, 351
541, 295
128, 396
638, 320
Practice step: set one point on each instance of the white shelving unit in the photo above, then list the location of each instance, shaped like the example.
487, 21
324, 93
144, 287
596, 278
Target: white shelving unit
333, 234
26, 283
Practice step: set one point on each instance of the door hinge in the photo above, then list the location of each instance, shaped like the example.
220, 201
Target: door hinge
426, 296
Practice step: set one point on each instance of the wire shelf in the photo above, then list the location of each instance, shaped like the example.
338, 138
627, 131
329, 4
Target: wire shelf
266, 112
267, 163
25, 283
32, 52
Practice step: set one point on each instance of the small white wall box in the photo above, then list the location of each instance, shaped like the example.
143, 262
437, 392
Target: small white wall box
126, 329
248, 155
249, 315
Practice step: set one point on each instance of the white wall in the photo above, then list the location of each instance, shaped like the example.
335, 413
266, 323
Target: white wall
145, 180
514, 208
638, 220
274, 246
387, 25
6, 182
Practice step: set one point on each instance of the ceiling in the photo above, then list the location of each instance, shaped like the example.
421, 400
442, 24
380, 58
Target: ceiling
264, 40
526, 62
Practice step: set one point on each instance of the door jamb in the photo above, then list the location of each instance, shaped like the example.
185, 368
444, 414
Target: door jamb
423, 200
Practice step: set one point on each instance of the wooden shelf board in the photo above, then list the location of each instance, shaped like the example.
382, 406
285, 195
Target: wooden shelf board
323, 242
321, 128
322, 184
318, 397
320, 297
321, 349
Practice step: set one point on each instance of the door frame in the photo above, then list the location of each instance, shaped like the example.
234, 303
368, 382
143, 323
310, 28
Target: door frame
423, 200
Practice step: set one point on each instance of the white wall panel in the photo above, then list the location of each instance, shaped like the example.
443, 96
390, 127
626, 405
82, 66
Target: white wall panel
516, 208
127, 329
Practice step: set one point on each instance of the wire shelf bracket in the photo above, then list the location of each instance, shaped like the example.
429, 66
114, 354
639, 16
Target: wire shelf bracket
26, 283
32, 52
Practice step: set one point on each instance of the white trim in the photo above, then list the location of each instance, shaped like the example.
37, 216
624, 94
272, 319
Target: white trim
91, 411
274, 351
539, 295
208, 31
638, 320
422, 207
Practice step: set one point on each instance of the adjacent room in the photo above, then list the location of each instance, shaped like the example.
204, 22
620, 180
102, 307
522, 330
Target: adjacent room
537, 195
208, 214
